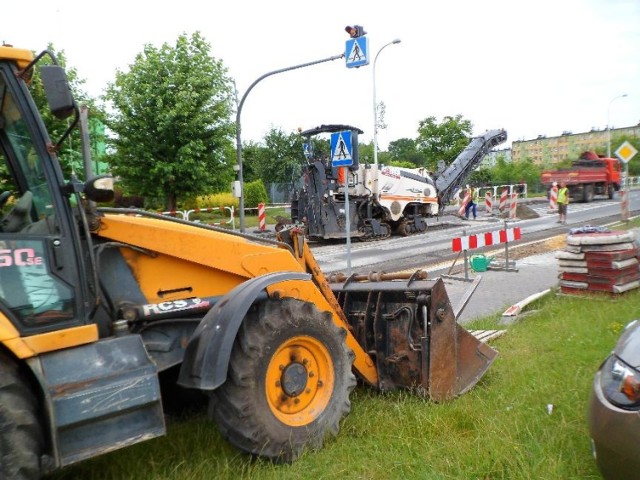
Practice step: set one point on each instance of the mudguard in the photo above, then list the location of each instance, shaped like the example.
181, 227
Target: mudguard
207, 356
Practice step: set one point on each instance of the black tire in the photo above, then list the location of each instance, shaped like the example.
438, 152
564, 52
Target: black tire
587, 193
610, 191
289, 381
20, 431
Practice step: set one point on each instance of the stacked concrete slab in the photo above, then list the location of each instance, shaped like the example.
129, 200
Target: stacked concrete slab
599, 260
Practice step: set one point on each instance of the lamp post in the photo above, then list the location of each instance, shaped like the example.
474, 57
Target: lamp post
609, 126
239, 125
375, 106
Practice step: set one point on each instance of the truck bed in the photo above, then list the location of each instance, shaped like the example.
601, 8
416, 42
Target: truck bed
573, 176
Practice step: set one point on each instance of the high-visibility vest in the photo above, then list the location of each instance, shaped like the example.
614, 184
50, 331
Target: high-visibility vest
563, 195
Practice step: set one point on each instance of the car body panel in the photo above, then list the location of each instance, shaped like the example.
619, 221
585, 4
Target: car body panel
614, 431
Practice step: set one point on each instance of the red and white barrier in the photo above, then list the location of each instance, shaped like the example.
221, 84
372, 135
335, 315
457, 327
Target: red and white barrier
471, 242
553, 198
624, 205
503, 199
467, 197
513, 206
488, 203
262, 217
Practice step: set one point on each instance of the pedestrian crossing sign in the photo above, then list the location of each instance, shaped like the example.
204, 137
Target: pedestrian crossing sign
308, 150
357, 52
341, 151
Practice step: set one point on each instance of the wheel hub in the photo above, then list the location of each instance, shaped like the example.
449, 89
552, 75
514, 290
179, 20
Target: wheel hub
294, 379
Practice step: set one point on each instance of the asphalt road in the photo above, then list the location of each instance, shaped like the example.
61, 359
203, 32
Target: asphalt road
434, 246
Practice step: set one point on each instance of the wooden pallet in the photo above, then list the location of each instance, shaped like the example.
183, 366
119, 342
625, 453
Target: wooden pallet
486, 335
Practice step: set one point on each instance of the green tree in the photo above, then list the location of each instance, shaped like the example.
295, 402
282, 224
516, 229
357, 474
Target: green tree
443, 141
286, 152
507, 173
365, 152
171, 121
405, 149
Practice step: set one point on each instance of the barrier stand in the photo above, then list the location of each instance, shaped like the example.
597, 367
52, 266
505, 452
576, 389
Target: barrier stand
507, 266
466, 264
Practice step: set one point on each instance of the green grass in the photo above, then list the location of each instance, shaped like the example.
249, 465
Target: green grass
498, 430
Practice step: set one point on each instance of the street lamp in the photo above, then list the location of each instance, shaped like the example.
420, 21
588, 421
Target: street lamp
609, 126
238, 166
375, 106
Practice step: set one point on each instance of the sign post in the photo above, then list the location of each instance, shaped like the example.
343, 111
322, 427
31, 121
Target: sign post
342, 157
625, 152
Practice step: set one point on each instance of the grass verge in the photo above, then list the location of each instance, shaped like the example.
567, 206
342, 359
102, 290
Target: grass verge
501, 429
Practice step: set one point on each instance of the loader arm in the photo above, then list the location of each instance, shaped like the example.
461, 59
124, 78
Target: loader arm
363, 363
403, 327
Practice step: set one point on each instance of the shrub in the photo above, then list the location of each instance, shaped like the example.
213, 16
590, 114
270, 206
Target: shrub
225, 199
255, 193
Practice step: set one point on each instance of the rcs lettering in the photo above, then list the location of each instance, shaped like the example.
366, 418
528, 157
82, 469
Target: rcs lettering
164, 307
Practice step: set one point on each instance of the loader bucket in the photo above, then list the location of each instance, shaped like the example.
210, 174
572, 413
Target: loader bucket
409, 327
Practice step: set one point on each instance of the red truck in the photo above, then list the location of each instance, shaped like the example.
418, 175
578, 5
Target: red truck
588, 176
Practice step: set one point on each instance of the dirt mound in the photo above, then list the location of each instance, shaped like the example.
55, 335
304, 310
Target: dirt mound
523, 213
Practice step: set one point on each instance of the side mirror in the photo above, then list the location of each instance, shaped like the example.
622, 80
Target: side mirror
100, 188
57, 90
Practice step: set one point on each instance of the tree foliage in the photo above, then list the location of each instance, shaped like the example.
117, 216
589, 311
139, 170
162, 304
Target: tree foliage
280, 156
507, 173
276, 160
443, 141
406, 149
171, 121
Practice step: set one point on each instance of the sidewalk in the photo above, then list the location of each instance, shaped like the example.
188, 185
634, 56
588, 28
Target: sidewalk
499, 289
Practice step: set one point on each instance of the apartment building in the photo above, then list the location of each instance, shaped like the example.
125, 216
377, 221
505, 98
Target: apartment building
549, 150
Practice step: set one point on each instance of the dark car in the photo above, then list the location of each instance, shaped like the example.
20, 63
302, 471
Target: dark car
614, 409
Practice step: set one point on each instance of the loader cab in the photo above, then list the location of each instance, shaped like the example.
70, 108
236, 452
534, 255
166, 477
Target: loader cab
41, 274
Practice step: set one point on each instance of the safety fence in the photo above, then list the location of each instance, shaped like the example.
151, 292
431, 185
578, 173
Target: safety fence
228, 214
506, 200
224, 211
464, 243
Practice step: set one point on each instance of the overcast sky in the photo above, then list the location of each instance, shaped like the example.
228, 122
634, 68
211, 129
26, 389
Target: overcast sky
535, 67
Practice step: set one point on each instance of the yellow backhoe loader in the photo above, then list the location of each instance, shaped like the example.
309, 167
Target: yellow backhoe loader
96, 303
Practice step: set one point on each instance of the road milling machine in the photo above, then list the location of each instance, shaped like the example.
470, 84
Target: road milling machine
97, 305
381, 199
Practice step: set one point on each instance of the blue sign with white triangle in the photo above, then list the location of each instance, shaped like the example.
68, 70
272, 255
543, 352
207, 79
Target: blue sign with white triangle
357, 52
308, 150
341, 152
